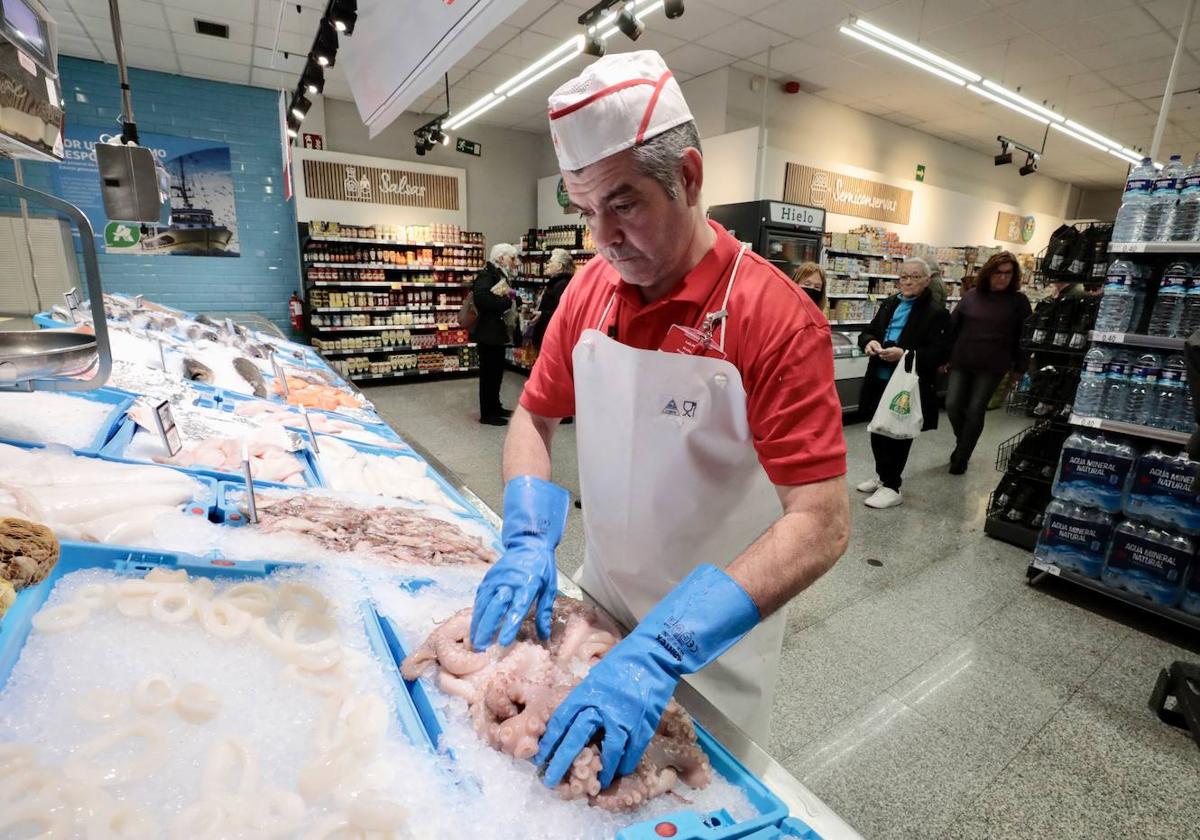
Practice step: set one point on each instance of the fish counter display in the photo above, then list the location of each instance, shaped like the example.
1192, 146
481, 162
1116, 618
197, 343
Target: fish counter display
184, 653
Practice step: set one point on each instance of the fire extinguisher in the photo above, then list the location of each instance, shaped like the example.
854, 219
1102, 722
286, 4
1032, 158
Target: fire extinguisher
296, 312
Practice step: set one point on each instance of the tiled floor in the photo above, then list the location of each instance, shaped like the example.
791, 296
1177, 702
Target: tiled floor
937, 695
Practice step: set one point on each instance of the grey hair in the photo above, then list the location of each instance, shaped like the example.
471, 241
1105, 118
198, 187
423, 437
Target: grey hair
920, 263
564, 259
659, 157
501, 249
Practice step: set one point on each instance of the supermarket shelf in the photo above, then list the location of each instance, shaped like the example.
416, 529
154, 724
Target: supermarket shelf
864, 254
361, 241
408, 307
381, 284
1012, 533
533, 281
849, 323
862, 274
854, 296
1137, 340
377, 327
547, 252
1148, 432
396, 348
409, 374
390, 266
1037, 570
1154, 247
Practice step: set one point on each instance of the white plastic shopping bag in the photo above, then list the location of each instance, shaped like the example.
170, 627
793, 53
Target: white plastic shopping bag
899, 412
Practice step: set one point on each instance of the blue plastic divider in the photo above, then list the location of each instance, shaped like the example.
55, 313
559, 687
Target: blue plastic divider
120, 402
115, 449
15, 628
45, 321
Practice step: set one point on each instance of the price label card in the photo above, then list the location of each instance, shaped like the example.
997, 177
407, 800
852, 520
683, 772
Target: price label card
1086, 422
168, 432
1109, 337
280, 376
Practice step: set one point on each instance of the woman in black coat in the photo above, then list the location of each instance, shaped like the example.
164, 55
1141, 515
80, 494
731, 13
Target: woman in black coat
913, 321
560, 268
491, 333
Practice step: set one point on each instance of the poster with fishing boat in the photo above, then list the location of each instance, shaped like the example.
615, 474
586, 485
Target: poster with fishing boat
202, 219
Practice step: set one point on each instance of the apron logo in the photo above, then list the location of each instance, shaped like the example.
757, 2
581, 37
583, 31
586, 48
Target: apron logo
673, 409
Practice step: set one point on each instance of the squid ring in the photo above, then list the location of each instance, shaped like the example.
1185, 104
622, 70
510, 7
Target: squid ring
33, 784
324, 773
376, 813
294, 622
94, 595
173, 605
331, 682
255, 598
310, 660
80, 767
302, 598
122, 823
276, 812
133, 597
223, 619
201, 820
154, 693
351, 721
62, 617
202, 587
197, 703
102, 705
52, 825
14, 757
162, 575
331, 827
228, 754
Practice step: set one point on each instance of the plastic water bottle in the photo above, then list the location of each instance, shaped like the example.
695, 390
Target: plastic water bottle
1172, 294
1089, 396
1116, 387
1117, 303
1131, 218
1184, 224
1094, 472
1074, 538
1162, 493
1149, 562
1142, 380
1185, 420
1166, 406
1163, 198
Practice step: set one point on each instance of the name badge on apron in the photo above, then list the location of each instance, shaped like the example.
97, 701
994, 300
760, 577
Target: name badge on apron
690, 341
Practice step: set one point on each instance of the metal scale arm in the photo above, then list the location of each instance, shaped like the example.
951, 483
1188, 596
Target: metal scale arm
47, 358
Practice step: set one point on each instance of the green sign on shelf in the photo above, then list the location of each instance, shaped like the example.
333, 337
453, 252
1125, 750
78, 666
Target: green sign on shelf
468, 147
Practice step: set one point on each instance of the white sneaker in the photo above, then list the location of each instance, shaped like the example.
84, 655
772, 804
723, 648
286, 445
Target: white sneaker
869, 486
884, 497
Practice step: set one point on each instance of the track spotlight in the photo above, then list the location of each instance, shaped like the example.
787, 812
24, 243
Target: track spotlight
1031, 165
293, 126
1005, 155
312, 80
673, 9
594, 45
300, 106
438, 136
629, 25
344, 14
325, 47
425, 139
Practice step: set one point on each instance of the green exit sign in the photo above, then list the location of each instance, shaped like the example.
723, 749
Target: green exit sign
468, 147
921, 172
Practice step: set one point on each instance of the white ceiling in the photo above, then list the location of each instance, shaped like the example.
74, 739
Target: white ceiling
1103, 63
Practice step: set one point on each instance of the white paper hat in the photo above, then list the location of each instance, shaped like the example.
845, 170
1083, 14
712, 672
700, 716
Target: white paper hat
615, 104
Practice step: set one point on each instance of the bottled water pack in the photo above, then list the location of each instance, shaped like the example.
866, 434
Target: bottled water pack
1149, 562
1094, 472
1161, 492
1074, 538
1131, 218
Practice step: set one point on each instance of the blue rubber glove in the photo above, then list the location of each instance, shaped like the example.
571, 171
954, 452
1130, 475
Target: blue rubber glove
625, 693
535, 513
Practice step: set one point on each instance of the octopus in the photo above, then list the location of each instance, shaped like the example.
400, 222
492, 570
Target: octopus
512, 692
386, 534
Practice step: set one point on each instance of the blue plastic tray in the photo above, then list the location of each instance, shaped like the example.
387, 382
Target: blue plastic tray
229, 401
447, 488
120, 402
14, 630
45, 321
114, 450
715, 825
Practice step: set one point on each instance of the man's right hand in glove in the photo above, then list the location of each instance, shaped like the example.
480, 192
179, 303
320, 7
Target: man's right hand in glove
535, 513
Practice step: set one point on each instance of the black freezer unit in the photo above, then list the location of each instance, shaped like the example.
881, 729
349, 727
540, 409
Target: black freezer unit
786, 234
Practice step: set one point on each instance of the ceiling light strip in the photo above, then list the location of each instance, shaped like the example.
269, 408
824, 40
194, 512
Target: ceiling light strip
464, 115
913, 60
921, 52
1052, 116
1025, 112
573, 47
1100, 138
1081, 138
545, 72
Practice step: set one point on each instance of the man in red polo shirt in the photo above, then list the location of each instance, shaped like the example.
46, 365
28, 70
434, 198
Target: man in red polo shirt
710, 441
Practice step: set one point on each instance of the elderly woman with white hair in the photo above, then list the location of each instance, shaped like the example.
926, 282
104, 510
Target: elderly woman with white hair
494, 299
910, 321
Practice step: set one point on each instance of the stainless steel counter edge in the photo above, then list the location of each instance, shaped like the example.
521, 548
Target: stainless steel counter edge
801, 801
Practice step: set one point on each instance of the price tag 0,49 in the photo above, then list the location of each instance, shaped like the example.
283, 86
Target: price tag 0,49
168, 432
1109, 337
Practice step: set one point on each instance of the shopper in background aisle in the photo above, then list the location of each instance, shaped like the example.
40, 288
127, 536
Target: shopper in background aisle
987, 345
712, 462
559, 270
811, 278
494, 300
910, 321
937, 288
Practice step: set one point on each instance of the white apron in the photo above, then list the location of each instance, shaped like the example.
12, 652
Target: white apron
669, 480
